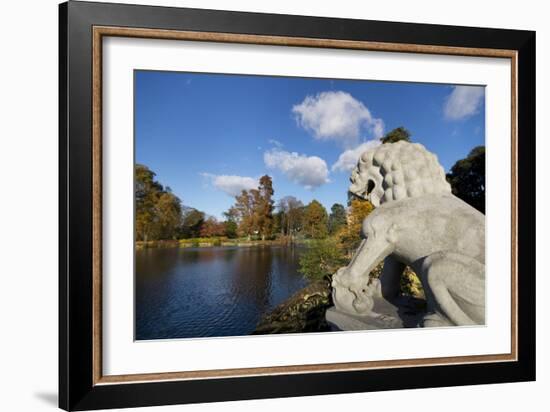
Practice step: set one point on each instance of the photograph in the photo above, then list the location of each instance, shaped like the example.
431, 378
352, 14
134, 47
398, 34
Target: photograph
283, 205
258, 205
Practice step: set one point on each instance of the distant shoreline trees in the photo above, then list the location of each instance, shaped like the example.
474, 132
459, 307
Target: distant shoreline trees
289, 216
253, 210
315, 221
335, 249
158, 210
337, 218
160, 214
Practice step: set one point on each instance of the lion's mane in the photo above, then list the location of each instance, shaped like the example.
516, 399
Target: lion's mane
396, 171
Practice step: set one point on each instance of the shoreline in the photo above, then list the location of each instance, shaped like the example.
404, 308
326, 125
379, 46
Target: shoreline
205, 243
302, 312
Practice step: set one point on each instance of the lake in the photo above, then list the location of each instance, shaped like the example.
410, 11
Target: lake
211, 291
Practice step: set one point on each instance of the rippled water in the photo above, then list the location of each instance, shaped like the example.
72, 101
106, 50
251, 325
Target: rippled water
199, 292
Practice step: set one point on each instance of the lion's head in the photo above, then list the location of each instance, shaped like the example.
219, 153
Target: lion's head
396, 171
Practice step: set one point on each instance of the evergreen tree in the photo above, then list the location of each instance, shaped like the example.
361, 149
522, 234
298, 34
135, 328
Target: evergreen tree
337, 218
193, 220
467, 178
263, 208
396, 135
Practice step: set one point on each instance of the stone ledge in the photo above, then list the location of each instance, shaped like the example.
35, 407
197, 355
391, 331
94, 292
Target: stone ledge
404, 312
344, 321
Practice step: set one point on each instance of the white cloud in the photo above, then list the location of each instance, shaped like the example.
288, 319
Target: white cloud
275, 142
337, 115
231, 184
464, 101
348, 159
308, 171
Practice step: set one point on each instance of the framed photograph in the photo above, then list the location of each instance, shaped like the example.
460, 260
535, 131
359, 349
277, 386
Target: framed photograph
256, 206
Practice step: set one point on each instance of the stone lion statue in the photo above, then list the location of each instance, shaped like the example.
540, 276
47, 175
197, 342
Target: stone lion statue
417, 222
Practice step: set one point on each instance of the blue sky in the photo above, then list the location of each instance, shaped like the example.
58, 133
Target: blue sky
208, 136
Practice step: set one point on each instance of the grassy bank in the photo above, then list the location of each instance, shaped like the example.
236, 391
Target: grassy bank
213, 241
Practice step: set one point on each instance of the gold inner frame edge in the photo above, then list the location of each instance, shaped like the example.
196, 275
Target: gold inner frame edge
101, 31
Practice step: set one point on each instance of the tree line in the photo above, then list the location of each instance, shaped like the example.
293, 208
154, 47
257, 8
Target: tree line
161, 215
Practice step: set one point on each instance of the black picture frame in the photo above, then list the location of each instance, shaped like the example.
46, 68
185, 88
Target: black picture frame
77, 390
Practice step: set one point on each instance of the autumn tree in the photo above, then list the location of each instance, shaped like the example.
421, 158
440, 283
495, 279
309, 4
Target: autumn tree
263, 207
244, 209
231, 215
467, 178
158, 210
295, 215
253, 210
337, 218
315, 220
350, 235
396, 135
290, 215
168, 210
211, 228
147, 190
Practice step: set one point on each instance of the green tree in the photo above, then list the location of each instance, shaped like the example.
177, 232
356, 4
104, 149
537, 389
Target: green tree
278, 222
337, 218
231, 226
193, 220
467, 178
396, 135
230, 229
322, 259
315, 220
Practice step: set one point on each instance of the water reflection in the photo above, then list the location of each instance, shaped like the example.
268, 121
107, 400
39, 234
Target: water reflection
199, 292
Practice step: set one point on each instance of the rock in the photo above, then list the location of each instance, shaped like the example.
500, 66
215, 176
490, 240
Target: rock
302, 312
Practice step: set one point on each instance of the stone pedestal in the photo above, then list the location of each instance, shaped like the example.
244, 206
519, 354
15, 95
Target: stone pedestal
384, 315
343, 321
